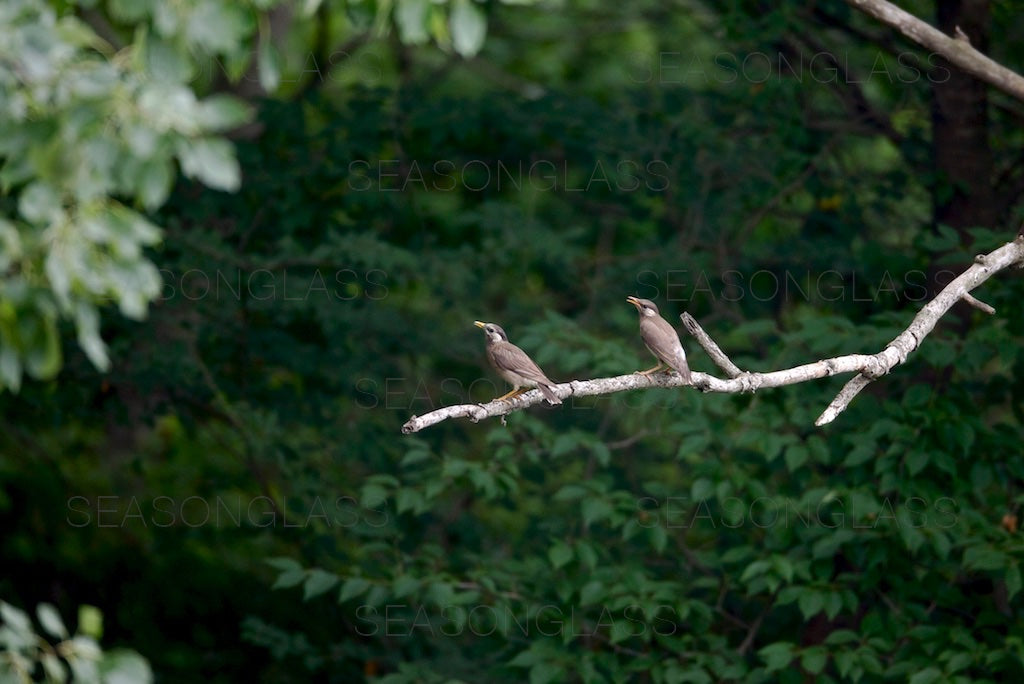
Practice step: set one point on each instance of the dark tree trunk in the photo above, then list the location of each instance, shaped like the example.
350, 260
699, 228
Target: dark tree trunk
963, 160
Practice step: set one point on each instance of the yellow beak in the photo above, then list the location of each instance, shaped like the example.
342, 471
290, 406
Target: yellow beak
634, 301
479, 324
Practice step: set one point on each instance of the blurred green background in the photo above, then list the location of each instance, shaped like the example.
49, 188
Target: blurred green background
233, 492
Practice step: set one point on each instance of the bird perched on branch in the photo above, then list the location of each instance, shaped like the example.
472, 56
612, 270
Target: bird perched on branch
514, 365
661, 339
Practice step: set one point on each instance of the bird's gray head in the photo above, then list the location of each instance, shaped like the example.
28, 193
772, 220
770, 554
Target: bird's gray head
645, 307
493, 331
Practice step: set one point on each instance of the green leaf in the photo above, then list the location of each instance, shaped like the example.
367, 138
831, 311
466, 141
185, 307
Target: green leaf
283, 564
10, 368
621, 630
861, 453
592, 593
777, 656
223, 112
454, 467
833, 604
270, 73
212, 161
131, 11
841, 636
51, 621
373, 495
984, 558
405, 585
659, 538
527, 658
783, 567
318, 582
411, 17
53, 668
441, 594
926, 676
352, 587
309, 7
941, 543
85, 647
814, 659
545, 672
43, 358
1013, 581
811, 603
559, 554
121, 666
587, 555
565, 443
468, 27
789, 595
15, 619
917, 396
84, 668
570, 492
958, 661
288, 579
796, 456
943, 239
845, 662
90, 621
601, 453
415, 455
39, 203
11, 250
916, 461
595, 509
164, 62
912, 537
702, 489
154, 182
755, 569
217, 26
963, 434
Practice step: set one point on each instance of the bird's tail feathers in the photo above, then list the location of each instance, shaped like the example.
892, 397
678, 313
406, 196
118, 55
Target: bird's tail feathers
684, 372
549, 394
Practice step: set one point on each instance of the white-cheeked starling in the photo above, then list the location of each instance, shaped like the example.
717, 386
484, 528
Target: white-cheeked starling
661, 339
514, 365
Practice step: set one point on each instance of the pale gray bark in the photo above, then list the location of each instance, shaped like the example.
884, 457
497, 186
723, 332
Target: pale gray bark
957, 49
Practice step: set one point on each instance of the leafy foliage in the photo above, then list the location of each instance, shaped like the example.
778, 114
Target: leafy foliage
249, 429
24, 653
89, 141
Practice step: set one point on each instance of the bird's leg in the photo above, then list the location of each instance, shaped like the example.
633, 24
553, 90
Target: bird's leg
650, 370
516, 391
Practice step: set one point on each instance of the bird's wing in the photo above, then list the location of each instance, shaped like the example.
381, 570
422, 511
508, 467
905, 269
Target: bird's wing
511, 358
663, 341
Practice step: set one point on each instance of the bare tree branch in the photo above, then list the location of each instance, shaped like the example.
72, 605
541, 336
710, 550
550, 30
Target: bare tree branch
985, 265
709, 345
957, 50
868, 367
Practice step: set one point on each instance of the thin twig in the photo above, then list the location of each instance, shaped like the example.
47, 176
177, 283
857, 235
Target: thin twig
628, 441
755, 626
709, 345
978, 304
